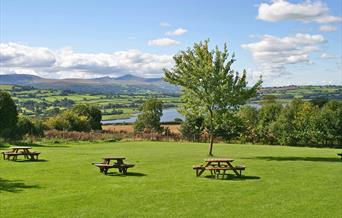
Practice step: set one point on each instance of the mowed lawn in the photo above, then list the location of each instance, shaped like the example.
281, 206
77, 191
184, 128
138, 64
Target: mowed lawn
278, 182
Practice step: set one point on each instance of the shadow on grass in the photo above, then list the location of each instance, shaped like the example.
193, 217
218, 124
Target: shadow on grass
314, 159
231, 177
127, 174
28, 160
14, 186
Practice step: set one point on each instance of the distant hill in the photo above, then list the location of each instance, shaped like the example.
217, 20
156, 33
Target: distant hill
130, 84
127, 84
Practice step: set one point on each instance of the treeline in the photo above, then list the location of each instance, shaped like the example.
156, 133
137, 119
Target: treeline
299, 123
83, 118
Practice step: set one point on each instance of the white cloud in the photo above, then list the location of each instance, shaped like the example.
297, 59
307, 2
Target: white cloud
327, 56
164, 24
13, 54
274, 54
177, 32
327, 28
308, 11
66, 63
163, 42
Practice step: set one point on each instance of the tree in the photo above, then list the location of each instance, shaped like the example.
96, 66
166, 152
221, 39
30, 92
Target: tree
249, 118
267, 116
27, 126
92, 113
330, 123
70, 121
305, 123
149, 118
319, 101
210, 88
8, 115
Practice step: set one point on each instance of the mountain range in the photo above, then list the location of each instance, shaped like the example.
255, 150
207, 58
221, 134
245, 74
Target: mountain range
127, 84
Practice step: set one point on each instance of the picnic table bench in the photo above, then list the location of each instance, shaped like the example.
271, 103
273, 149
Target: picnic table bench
20, 150
119, 164
219, 166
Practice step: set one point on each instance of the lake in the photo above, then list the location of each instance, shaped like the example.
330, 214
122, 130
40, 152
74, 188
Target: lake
169, 115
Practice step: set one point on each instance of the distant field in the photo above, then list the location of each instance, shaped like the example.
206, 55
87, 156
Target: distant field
40, 102
36, 102
278, 182
6, 87
305, 92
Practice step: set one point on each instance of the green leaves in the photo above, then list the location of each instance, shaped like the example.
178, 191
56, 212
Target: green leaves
149, 118
209, 86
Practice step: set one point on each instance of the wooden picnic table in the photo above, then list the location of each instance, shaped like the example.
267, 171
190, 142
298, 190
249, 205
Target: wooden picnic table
216, 165
105, 165
20, 150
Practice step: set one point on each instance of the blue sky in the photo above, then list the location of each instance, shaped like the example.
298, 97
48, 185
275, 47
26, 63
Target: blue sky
287, 42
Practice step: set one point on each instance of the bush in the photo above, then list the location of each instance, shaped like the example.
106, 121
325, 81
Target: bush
26, 126
79, 118
192, 128
69, 121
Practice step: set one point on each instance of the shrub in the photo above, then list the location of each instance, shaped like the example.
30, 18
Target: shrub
79, 118
27, 126
192, 128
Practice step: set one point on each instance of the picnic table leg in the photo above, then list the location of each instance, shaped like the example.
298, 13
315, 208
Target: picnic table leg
233, 168
202, 170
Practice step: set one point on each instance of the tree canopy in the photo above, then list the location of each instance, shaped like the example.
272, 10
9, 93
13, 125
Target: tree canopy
149, 118
210, 87
8, 114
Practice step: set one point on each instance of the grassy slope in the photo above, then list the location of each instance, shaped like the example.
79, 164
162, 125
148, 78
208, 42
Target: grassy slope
278, 182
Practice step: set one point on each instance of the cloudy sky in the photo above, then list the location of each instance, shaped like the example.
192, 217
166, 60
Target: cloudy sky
285, 41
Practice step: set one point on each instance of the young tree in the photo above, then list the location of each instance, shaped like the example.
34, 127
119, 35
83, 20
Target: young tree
210, 88
149, 118
8, 115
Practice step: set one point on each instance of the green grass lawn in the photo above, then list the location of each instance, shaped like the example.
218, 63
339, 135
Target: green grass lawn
278, 182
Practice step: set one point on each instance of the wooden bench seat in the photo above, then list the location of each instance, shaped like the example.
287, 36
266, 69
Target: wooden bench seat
8, 154
240, 168
198, 168
122, 167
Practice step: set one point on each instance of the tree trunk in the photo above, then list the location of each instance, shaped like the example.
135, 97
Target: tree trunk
211, 144
211, 132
